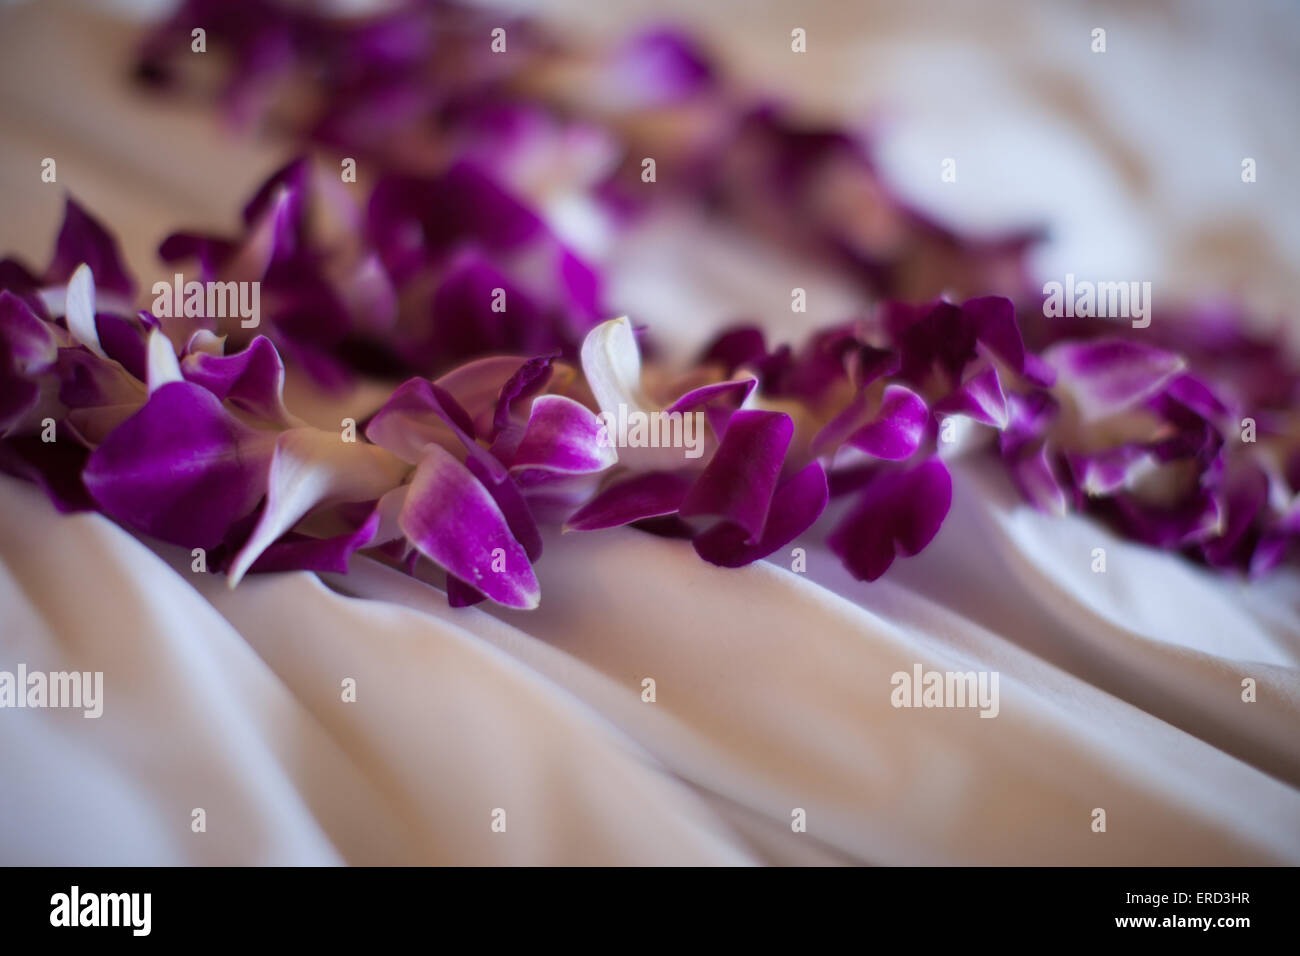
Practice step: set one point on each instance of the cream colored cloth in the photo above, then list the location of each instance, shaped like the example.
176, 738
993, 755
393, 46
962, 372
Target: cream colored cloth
772, 693
1119, 691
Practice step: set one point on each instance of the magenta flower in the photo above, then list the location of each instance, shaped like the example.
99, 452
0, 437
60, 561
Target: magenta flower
484, 439
745, 497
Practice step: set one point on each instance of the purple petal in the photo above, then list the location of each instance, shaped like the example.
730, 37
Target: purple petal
980, 398
1111, 375
83, 239
564, 436
897, 430
123, 340
19, 280
295, 552
868, 363
477, 387
796, 505
460, 594
1031, 469
505, 491
1108, 471
527, 381
900, 512
252, 379
409, 220
736, 347
87, 381
471, 204
368, 294
824, 361
1197, 396
1244, 501
648, 495
1038, 372
27, 349
211, 252
581, 286
1194, 520
414, 418
453, 520
659, 67
941, 334
310, 467
738, 482
289, 185
994, 319
466, 322
718, 400
1271, 551
182, 468
847, 421
420, 415
730, 394
272, 239
1029, 413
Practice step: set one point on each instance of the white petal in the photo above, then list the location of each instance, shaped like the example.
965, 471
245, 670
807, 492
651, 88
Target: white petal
253, 257
209, 343
611, 361
390, 511
81, 309
162, 364
311, 467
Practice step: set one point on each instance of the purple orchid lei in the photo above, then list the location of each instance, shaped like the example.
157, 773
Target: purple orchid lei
1183, 436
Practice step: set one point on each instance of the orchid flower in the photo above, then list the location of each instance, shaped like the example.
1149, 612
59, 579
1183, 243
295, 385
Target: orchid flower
433, 271
753, 504
1130, 434
323, 289
183, 447
198, 449
205, 438
871, 400
502, 280
480, 439
379, 76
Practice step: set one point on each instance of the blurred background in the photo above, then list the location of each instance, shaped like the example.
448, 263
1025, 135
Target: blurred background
1130, 159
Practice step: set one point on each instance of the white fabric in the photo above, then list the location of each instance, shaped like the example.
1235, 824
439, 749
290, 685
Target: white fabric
1119, 690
